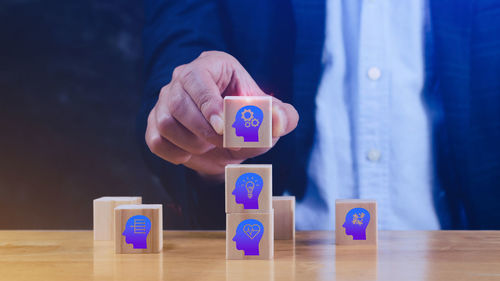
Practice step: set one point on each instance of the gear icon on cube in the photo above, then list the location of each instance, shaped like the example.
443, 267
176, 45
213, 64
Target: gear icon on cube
244, 116
255, 123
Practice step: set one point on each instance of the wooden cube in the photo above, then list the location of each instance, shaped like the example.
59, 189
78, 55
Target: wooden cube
138, 229
248, 188
249, 236
247, 121
104, 215
355, 222
284, 217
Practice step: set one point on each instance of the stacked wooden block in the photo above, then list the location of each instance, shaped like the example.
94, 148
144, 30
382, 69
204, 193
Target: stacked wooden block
249, 212
134, 227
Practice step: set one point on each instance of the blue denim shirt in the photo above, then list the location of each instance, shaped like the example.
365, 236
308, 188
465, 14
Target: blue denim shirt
372, 137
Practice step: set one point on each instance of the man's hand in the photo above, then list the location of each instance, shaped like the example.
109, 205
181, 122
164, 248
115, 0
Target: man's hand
186, 124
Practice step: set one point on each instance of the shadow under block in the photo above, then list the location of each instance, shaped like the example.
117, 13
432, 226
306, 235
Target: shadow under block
247, 121
284, 217
248, 188
138, 229
104, 214
249, 236
356, 222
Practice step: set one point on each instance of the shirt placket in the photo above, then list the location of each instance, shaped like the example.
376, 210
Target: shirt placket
372, 111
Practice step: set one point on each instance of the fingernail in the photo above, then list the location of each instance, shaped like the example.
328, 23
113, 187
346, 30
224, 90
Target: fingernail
217, 124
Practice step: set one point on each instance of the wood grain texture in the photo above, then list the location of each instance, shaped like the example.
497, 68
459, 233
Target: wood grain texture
104, 214
400, 255
154, 212
232, 105
284, 217
263, 198
237, 240
347, 227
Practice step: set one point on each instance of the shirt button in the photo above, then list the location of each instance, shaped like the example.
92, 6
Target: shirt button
374, 73
373, 155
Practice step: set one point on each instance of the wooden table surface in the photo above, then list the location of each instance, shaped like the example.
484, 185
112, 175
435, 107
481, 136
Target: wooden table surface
73, 255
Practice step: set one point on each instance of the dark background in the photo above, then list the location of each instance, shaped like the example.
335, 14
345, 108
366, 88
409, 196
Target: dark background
70, 85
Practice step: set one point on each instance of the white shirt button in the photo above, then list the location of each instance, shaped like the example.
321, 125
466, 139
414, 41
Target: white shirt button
374, 73
373, 155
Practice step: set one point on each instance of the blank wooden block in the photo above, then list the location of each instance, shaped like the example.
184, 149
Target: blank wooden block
355, 222
138, 229
247, 121
104, 215
284, 217
249, 236
248, 188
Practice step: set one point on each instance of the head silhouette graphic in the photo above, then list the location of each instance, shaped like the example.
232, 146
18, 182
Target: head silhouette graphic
247, 123
247, 190
136, 231
355, 224
248, 235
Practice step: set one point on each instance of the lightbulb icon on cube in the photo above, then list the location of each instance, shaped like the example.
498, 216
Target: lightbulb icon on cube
247, 190
247, 123
136, 231
248, 235
356, 222
249, 186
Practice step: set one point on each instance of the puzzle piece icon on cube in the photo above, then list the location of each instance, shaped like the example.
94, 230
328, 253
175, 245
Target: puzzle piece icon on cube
284, 217
104, 214
247, 121
356, 222
138, 229
248, 188
249, 236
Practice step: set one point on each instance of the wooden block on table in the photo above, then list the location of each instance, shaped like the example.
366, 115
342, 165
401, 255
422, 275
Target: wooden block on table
247, 121
284, 217
138, 229
356, 222
248, 188
249, 236
104, 214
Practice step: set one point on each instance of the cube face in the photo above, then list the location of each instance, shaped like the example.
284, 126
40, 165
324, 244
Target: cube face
138, 229
356, 222
104, 214
248, 188
249, 236
247, 121
284, 217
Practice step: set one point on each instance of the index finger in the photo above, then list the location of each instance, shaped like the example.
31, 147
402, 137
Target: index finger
205, 93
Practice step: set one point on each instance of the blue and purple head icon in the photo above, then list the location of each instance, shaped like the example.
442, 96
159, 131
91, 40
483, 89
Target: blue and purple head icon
136, 231
247, 123
247, 190
356, 221
248, 235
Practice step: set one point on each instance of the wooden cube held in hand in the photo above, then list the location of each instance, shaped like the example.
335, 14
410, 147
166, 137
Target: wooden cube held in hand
138, 229
249, 236
248, 188
247, 121
356, 222
284, 217
104, 213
